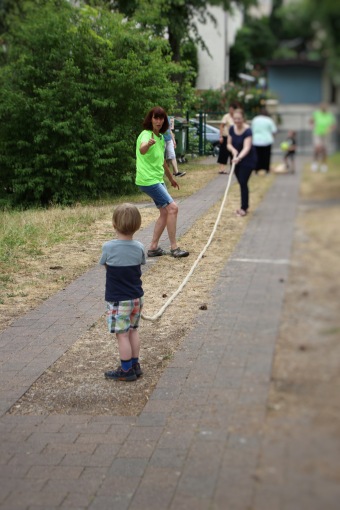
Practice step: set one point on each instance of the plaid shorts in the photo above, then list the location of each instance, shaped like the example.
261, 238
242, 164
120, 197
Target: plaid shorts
123, 315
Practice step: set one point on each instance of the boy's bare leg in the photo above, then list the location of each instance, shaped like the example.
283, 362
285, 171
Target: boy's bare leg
134, 342
124, 346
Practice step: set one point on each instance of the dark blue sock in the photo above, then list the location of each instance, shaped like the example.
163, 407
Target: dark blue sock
126, 364
134, 360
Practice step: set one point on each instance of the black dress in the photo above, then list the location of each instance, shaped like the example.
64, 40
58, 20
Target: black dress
224, 155
245, 167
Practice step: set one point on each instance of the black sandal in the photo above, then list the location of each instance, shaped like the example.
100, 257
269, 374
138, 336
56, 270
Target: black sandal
158, 252
177, 253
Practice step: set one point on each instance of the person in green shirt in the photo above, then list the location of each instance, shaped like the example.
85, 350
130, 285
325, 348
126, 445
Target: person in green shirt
323, 123
151, 166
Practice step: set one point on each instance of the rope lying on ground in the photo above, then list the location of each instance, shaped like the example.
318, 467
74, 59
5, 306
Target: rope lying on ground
186, 279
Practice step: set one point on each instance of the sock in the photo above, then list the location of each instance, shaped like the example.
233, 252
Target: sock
126, 364
134, 360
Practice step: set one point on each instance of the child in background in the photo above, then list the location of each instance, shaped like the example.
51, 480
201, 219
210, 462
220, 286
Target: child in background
122, 258
289, 149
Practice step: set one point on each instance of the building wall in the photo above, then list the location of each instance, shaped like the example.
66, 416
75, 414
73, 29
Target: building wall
214, 68
296, 84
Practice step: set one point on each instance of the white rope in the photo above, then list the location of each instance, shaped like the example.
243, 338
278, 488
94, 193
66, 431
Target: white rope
175, 294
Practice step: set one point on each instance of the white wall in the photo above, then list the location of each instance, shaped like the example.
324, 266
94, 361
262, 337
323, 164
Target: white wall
263, 8
214, 69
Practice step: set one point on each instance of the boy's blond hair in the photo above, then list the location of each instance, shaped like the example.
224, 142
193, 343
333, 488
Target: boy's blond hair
126, 219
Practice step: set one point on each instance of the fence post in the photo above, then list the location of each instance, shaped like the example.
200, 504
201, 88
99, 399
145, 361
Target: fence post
200, 138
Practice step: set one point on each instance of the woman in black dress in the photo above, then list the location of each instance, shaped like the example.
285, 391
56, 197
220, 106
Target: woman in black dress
244, 156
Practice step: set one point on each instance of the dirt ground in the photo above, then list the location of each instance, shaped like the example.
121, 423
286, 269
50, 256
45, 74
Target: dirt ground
306, 366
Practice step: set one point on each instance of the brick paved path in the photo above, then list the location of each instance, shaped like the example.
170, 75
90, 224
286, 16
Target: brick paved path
198, 440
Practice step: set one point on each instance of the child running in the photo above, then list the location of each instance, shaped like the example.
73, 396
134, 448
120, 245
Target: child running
122, 258
289, 149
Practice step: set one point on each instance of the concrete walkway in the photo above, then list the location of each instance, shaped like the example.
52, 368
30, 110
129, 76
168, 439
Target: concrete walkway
197, 443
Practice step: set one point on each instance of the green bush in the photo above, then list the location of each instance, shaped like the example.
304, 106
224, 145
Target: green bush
251, 99
74, 90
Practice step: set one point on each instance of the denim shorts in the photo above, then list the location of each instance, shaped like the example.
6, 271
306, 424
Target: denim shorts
158, 193
122, 316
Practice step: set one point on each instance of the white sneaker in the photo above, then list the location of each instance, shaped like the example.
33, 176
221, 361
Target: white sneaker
324, 168
314, 167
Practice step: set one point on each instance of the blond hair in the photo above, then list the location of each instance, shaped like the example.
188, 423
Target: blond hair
126, 219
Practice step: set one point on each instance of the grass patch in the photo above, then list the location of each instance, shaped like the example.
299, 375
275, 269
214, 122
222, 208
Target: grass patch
29, 232
322, 186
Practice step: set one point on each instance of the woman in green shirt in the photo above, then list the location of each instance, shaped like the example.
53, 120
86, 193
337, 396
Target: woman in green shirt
151, 166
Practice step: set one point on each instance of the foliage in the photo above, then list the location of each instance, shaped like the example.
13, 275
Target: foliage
254, 43
73, 93
251, 99
8, 8
304, 29
327, 27
179, 18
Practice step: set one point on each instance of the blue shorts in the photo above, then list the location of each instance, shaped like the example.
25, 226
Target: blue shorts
158, 193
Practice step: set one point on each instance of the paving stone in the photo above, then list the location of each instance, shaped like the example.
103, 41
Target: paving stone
168, 457
128, 467
55, 472
111, 502
142, 449
102, 457
152, 420
119, 486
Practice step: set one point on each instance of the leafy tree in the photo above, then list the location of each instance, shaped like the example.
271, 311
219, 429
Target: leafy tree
302, 29
254, 44
8, 8
327, 26
73, 94
177, 17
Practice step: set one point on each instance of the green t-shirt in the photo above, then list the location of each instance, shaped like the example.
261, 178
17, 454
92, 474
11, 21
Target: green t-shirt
323, 121
150, 169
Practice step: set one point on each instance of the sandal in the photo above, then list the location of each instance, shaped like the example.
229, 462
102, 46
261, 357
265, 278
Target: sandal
156, 253
224, 173
177, 253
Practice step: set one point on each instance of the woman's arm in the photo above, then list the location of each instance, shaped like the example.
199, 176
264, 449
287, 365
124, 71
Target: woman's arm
230, 147
145, 146
221, 130
169, 175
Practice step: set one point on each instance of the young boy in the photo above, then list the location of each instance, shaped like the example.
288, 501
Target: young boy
122, 258
289, 149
